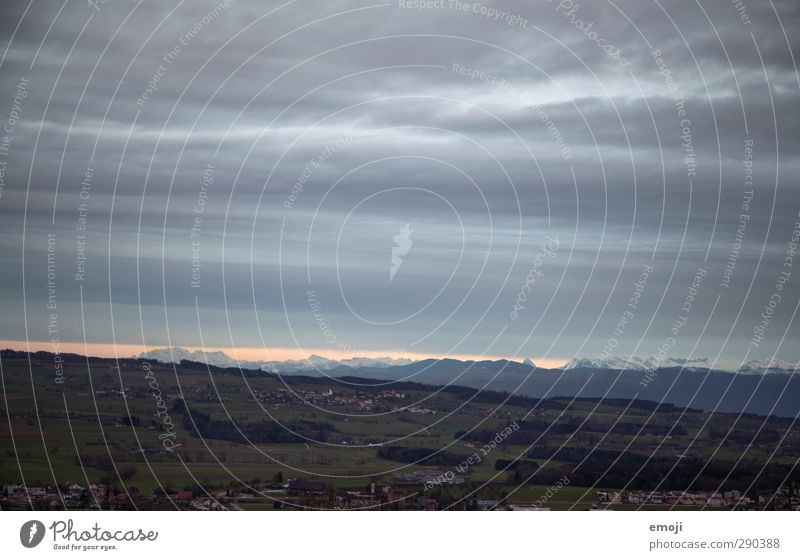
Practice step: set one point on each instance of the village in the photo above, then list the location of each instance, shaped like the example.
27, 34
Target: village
786, 498
357, 402
406, 491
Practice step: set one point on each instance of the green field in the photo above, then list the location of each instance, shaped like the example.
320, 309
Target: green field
246, 433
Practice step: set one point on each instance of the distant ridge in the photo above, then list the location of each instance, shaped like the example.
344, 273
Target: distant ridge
753, 367
635, 363
775, 393
313, 362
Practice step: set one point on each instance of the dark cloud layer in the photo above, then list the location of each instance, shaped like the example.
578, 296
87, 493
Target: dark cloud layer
328, 126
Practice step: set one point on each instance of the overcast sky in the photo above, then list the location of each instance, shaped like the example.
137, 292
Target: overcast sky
298, 139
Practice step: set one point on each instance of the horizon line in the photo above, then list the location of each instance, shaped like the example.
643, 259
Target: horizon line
251, 354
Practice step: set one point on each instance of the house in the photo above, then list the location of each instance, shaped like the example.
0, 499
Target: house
119, 500
487, 505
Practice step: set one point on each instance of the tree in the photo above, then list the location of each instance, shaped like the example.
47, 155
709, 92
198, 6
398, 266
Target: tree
128, 473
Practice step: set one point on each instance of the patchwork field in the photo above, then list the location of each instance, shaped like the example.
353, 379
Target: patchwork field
135, 428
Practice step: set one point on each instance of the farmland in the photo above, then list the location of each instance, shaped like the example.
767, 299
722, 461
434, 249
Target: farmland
138, 429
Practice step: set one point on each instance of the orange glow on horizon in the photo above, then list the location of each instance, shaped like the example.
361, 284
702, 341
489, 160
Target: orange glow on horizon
275, 353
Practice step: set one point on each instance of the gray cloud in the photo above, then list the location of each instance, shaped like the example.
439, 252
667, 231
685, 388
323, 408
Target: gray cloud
555, 138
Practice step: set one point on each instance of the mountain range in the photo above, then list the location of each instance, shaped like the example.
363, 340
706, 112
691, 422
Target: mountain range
313, 362
764, 387
321, 363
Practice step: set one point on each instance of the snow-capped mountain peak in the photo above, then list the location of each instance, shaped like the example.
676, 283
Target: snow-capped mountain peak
313, 362
635, 363
753, 367
768, 365
375, 362
602, 363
